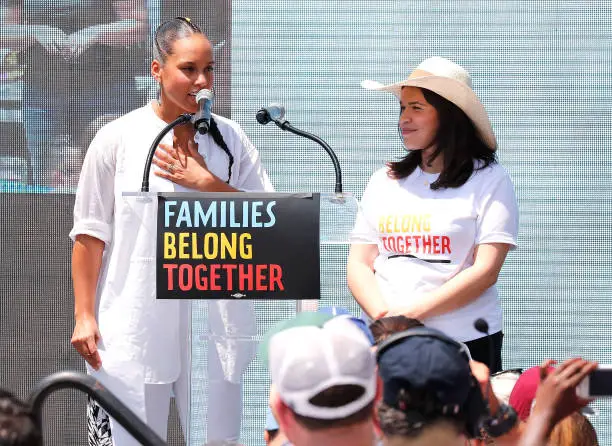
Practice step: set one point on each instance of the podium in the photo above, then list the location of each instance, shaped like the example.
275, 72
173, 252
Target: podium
228, 385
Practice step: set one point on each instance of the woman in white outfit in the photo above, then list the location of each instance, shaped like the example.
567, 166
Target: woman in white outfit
136, 345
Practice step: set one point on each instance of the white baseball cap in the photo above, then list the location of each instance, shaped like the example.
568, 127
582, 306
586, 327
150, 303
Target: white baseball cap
306, 360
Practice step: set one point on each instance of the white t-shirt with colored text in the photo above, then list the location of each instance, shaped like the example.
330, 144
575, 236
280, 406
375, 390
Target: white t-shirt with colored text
425, 237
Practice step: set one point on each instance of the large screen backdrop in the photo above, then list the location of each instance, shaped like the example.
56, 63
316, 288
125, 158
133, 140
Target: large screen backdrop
542, 69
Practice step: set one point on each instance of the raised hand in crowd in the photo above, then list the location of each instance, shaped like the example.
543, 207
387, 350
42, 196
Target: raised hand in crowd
556, 398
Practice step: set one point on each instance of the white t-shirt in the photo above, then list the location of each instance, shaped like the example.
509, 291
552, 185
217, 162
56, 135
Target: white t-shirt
134, 325
426, 237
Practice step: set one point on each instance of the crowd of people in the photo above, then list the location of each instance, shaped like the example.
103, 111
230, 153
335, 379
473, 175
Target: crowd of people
335, 381
413, 386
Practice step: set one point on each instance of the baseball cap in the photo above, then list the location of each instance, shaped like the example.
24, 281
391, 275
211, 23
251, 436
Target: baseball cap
523, 392
306, 359
427, 363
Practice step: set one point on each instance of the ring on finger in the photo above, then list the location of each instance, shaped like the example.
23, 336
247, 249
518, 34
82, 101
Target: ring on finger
171, 167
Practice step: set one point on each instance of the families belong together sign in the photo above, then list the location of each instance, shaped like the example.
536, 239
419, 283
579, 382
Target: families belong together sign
238, 246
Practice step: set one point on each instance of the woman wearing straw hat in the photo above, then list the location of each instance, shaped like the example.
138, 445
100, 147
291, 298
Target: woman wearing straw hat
434, 228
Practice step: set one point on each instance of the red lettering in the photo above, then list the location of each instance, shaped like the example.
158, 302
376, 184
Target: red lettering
436, 244
276, 278
214, 276
426, 239
446, 244
260, 274
185, 277
170, 267
229, 272
407, 241
245, 276
201, 282
392, 245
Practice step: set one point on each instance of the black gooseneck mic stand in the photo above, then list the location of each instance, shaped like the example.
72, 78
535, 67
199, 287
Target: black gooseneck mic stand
145, 176
263, 117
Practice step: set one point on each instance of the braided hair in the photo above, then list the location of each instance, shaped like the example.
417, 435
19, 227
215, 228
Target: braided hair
218, 139
165, 35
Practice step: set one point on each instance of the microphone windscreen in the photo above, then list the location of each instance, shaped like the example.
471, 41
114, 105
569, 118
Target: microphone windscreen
262, 116
204, 94
481, 325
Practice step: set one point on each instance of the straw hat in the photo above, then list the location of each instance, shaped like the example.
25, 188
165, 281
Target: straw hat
452, 82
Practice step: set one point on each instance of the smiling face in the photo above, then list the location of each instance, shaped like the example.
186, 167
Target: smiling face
188, 68
418, 121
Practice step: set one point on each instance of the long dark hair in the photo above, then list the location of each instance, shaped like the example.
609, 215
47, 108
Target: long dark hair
456, 139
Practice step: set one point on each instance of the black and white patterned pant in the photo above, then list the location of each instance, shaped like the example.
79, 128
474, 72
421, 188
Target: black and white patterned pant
98, 425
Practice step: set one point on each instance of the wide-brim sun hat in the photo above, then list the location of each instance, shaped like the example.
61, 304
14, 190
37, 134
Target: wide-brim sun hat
452, 82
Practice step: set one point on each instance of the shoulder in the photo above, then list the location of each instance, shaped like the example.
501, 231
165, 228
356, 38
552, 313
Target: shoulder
381, 175
492, 173
379, 181
227, 126
235, 138
126, 123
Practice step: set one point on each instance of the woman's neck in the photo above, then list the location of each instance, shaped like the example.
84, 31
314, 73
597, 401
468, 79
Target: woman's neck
164, 112
427, 164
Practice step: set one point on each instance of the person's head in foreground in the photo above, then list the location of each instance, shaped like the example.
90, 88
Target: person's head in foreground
574, 430
323, 381
386, 326
442, 123
18, 425
429, 393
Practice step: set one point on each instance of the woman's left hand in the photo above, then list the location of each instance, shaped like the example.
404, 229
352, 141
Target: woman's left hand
187, 169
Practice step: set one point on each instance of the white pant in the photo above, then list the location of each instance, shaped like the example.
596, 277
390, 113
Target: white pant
224, 409
157, 409
224, 392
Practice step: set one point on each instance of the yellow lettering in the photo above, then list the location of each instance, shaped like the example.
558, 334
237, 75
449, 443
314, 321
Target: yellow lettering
246, 249
169, 249
211, 243
183, 245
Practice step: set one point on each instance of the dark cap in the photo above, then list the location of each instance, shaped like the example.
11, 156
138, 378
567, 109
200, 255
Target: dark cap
425, 363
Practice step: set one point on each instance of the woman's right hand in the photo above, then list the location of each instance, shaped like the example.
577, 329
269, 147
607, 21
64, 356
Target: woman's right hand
85, 340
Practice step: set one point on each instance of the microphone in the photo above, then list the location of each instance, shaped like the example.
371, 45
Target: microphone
273, 112
483, 327
201, 120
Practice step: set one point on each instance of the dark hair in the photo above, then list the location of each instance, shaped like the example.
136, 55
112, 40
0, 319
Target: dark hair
337, 396
386, 326
272, 434
169, 32
18, 424
422, 412
394, 422
165, 35
456, 139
